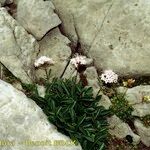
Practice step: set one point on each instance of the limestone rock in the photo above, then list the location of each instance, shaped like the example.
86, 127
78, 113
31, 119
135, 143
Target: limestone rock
70, 72
81, 19
37, 16
144, 132
141, 110
23, 122
18, 49
105, 102
120, 129
41, 90
92, 78
136, 94
55, 46
123, 44
114, 33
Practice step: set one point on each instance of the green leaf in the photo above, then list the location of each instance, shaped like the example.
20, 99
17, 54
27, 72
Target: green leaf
72, 113
58, 111
81, 119
102, 146
89, 138
66, 90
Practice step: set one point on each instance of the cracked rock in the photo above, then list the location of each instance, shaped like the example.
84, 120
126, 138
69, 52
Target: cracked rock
55, 46
123, 43
144, 132
23, 122
37, 16
18, 49
70, 72
120, 129
114, 33
81, 19
141, 110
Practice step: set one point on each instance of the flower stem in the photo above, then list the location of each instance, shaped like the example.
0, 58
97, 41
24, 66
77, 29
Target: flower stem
47, 77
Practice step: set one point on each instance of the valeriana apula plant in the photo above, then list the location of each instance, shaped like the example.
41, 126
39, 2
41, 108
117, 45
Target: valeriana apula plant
74, 110
78, 61
80, 64
120, 106
109, 77
107, 81
43, 63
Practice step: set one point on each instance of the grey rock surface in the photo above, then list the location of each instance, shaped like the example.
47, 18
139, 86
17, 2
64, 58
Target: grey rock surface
144, 132
120, 129
136, 94
37, 16
92, 78
114, 33
55, 46
105, 101
18, 49
141, 110
81, 19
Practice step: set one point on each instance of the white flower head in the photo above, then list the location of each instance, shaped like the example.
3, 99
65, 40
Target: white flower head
42, 61
78, 60
109, 77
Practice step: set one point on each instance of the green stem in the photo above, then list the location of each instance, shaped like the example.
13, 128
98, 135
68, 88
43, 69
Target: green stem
47, 77
100, 87
76, 76
124, 92
116, 93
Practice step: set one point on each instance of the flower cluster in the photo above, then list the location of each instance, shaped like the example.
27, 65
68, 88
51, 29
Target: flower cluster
42, 61
109, 77
128, 83
78, 60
